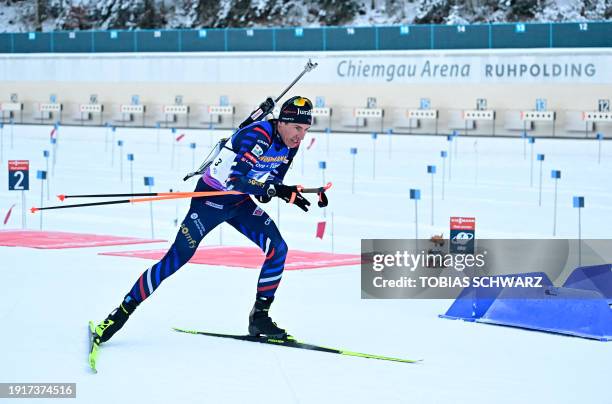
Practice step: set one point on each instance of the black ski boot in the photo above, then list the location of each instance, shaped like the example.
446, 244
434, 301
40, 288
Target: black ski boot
260, 324
115, 320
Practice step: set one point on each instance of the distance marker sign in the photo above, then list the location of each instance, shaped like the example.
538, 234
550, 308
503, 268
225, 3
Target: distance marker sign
462, 231
19, 175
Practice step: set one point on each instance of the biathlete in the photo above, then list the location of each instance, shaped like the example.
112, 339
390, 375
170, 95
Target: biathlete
253, 161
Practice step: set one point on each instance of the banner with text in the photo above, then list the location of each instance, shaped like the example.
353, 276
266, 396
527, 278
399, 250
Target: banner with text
494, 67
428, 269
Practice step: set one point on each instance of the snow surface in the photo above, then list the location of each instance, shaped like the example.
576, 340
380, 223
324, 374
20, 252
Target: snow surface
10, 17
47, 296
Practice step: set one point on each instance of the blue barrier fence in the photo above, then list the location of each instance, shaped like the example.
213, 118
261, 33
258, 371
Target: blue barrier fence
405, 37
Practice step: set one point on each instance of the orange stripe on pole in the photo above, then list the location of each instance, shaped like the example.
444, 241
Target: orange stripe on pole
172, 195
178, 195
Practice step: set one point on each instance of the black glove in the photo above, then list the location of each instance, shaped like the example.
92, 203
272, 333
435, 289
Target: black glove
263, 198
323, 202
289, 194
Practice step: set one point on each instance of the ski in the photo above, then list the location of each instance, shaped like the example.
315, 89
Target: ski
293, 343
94, 347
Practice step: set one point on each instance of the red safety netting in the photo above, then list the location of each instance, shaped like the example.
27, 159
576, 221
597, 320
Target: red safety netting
60, 240
251, 257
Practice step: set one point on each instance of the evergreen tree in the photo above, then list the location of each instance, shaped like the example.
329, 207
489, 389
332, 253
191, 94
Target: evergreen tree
522, 10
152, 14
432, 11
337, 12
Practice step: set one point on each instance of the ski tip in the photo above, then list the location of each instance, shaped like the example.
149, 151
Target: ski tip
34, 209
412, 361
380, 357
92, 365
93, 353
61, 197
184, 330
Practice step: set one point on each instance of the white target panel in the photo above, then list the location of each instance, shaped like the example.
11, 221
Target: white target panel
132, 109
368, 113
321, 112
176, 109
537, 115
597, 116
86, 108
11, 106
50, 107
477, 115
221, 109
423, 113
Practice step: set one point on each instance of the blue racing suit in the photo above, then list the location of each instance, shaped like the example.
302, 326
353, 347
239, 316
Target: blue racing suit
252, 159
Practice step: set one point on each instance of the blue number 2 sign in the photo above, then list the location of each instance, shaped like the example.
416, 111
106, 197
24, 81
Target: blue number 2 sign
19, 175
